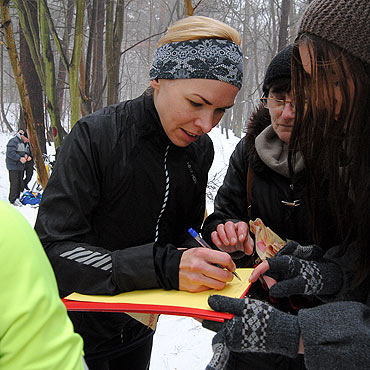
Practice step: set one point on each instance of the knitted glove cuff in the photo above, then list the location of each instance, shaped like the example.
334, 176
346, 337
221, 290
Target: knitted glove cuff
282, 334
220, 353
262, 328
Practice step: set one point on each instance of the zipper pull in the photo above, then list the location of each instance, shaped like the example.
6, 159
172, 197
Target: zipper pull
295, 203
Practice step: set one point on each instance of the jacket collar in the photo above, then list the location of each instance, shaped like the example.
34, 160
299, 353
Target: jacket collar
152, 124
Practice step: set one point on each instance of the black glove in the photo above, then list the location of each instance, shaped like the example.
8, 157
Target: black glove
304, 252
256, 327
298, 276
220, 353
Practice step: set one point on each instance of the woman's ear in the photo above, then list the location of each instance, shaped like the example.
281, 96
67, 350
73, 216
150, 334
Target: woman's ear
154, 84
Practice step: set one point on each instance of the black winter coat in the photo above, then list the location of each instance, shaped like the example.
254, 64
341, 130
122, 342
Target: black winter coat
118, 186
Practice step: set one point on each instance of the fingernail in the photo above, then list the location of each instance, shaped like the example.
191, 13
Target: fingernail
233, 241
241, 236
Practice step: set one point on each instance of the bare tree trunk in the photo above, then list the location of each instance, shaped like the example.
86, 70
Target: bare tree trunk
50, 83
283, 29
97, 83
86, 66
23, 93
113, 41
74, 68
43, 61
225, 123
32, 79
62, 70
189, 8
3, 114
148, 61
274, 29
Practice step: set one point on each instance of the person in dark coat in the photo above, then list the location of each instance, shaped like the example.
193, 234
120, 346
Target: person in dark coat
331, 85
275, 196
17, 155
129, 182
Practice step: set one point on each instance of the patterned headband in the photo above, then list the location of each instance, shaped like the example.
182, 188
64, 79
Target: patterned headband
212, 59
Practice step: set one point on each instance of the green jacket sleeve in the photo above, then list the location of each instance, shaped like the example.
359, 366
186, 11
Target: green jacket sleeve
35, 330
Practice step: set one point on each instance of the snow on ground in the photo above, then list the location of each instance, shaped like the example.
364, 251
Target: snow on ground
180, 343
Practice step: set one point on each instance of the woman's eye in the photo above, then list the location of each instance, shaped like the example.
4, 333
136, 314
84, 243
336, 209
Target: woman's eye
195, 104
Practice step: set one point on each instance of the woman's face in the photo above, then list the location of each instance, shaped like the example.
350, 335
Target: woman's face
188, 108
282, 118
305, 52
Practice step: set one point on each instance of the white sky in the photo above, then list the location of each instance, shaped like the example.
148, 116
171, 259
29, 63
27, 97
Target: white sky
180, 343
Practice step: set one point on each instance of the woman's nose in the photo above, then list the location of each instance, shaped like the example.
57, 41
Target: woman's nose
288, 111
205, 122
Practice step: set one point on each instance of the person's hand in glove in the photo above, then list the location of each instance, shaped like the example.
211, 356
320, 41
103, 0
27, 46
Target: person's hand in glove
299, 276
306, 252
256, 327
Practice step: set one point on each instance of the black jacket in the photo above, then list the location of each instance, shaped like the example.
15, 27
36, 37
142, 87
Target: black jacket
269, 192
113, 192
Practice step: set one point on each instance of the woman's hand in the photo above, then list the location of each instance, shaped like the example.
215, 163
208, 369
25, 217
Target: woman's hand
197, 270
233, 236
258, 273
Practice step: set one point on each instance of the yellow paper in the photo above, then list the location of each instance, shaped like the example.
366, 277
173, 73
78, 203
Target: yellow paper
172, 298
148, 319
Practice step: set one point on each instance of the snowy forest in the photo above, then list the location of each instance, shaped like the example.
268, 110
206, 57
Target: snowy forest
68, 58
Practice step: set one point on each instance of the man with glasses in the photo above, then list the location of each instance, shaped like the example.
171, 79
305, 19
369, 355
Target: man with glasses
258, 183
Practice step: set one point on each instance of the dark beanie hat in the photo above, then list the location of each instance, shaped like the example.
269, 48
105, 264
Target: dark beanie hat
23, 132
279, 67
345, 23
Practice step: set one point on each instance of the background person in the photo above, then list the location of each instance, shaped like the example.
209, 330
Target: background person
331, 70
16, 157
129, 182
35, 330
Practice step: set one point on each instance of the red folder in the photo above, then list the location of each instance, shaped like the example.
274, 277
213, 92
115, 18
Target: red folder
148, 308
92, 303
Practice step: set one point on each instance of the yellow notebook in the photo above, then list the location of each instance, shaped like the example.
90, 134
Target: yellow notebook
156, 301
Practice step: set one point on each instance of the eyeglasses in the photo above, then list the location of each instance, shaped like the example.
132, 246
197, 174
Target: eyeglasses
277, 104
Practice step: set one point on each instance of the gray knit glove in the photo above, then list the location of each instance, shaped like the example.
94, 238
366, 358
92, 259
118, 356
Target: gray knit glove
220, 353
305, 252
256, 327
298, 276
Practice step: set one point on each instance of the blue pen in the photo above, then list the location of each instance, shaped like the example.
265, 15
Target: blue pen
204, 244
